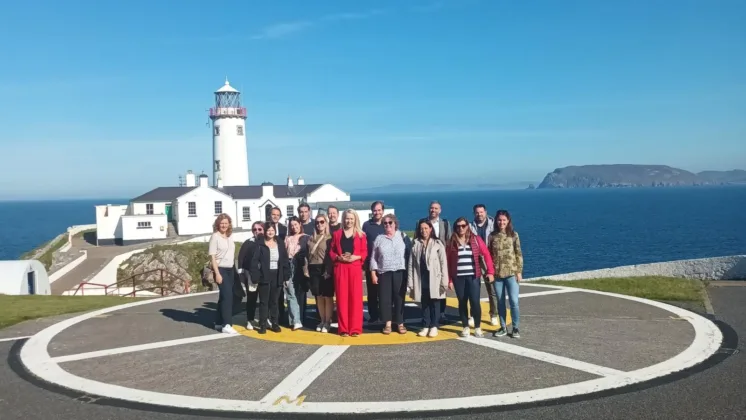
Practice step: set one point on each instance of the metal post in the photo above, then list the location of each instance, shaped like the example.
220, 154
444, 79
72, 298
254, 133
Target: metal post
162, 282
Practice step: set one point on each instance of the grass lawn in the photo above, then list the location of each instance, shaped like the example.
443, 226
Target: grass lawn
649, 287
15, 309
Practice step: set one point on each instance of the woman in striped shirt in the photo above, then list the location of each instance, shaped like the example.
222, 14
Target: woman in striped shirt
468, 257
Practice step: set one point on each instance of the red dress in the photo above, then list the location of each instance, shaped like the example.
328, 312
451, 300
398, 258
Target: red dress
348, 283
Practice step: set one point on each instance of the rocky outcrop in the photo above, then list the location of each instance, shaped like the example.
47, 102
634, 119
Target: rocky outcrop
717, 268
181, 264
624, 176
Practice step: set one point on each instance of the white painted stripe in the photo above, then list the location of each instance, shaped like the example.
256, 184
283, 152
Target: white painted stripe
36, 359
545, 357
544, 293
294, 384
141, 347
14, 338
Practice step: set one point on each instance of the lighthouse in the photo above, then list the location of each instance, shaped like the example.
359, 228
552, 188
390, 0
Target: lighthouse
229, 158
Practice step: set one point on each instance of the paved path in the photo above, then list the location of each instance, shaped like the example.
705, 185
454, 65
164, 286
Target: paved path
98, 257
567, 338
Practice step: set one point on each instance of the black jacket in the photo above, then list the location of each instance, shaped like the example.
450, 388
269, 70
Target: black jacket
244, 259
259, 266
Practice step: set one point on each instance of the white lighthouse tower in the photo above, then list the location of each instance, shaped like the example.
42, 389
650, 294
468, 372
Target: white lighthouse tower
230, 160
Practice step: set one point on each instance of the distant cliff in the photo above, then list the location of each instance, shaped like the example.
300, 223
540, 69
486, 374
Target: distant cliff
624, 175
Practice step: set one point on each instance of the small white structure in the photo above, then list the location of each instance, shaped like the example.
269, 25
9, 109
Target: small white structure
230, 159
23, 277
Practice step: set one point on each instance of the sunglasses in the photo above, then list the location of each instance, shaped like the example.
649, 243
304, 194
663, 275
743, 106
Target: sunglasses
460, 225
320, 222
388, 223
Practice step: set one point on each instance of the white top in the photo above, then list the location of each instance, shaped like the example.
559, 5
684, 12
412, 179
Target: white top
223, 249
274, 257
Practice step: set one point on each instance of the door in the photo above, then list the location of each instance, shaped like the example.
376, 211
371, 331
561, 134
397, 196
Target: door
31, 280
268, 213
168, 213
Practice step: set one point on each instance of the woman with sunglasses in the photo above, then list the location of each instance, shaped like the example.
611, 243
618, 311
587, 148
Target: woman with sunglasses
505, 248
467, 257
388, 271
322, 285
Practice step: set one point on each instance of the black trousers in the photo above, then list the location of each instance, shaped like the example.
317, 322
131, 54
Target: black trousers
225, 297
252, 298
268, 300
391, 291
373, 305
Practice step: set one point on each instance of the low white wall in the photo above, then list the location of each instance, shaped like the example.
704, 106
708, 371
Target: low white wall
72, 231
717, 268
66, 269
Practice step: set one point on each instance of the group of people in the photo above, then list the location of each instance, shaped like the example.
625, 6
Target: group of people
280, 264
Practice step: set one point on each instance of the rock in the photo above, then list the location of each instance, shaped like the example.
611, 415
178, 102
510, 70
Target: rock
177, 265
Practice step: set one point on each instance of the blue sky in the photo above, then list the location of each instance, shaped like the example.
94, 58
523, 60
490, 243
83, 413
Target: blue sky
110, 98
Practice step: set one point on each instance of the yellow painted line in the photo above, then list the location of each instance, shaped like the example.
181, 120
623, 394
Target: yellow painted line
369, 337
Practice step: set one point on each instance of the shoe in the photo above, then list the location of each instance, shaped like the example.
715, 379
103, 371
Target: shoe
478, 332
218, 327
433, 332
262, 330
471, 322
297, 326
465, 332
228, 329
249, 326
516, 334
345, 335
494, 321
325, 327
318, 327
275, 328
500, 333
354, 334
423, 332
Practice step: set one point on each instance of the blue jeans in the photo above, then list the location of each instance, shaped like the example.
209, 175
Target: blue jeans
509, 285
291, 300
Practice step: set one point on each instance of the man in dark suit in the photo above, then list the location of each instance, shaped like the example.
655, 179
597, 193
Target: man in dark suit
244, 265
442, 231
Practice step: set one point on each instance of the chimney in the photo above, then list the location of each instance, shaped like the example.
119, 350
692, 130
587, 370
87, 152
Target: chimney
220, 182
203, 180
190, 179
290, 181
301, 181
268, 190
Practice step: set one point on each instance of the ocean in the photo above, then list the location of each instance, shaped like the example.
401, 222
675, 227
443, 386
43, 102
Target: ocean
561, 230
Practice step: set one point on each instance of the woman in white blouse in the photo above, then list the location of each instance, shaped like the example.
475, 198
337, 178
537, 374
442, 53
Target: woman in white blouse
388, 264
222, 252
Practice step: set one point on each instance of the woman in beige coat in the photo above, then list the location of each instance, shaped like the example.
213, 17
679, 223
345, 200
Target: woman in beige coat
427, 276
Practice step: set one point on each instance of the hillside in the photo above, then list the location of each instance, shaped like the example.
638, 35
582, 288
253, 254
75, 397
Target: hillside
416, 188
627, 175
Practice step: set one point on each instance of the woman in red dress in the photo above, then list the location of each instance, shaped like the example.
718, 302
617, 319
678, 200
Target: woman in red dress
348, 250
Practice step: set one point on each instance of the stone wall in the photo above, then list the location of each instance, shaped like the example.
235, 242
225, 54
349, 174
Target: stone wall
717, 268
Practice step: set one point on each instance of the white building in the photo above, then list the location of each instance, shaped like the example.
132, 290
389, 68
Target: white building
23, 277
190, 209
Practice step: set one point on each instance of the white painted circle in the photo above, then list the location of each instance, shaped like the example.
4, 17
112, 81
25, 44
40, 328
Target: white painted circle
35, 357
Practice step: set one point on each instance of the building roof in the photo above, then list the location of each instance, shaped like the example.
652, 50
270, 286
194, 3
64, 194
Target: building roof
343, 205
226, 88
249, 192
162, 194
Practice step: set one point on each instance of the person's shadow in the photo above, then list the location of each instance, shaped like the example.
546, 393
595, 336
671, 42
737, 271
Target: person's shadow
205, 315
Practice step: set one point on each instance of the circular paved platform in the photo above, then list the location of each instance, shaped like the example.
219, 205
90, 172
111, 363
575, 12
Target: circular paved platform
163, 353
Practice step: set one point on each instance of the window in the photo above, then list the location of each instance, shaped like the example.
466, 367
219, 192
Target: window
148, 209
192, 209
239, 130
143, 225
218, 207
290, 211
246, 214
217, 130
